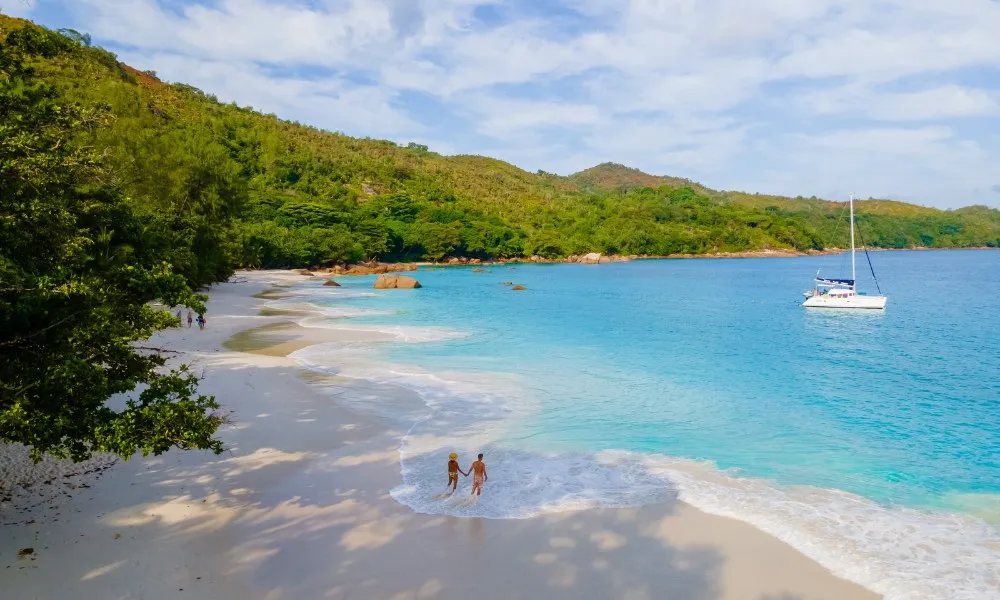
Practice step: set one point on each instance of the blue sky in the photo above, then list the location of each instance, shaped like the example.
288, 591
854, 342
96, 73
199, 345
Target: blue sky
883, 98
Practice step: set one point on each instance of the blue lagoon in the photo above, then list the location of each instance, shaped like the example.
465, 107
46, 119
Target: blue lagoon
868, 440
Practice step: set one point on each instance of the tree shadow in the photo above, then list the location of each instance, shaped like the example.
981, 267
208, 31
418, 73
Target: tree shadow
322, 525
302, 505
300, 508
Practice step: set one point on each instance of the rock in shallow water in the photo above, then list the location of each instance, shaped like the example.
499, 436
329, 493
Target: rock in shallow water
392, 282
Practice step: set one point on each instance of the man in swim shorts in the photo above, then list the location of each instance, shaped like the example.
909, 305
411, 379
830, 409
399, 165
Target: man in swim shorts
453, 471
478, 470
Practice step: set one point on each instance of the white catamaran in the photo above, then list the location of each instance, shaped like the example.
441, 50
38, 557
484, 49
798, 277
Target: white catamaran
842, 293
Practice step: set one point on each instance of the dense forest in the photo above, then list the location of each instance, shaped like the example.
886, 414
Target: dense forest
118, 191
249, 189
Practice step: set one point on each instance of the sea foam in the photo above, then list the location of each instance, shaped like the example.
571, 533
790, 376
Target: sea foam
902, 553
899, 552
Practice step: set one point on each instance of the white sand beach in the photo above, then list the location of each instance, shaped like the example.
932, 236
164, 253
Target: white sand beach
299, 508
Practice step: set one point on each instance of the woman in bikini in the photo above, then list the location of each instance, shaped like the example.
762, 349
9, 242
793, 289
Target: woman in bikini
453, 471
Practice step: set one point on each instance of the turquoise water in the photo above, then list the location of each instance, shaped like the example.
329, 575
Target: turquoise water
707, 379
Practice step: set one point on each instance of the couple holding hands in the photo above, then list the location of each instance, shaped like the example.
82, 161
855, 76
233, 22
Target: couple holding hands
478, 470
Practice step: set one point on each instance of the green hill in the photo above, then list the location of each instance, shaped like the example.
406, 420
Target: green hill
609, 175
241, 188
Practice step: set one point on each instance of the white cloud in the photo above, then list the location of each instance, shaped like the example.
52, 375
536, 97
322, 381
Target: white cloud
717, 85
928, 164
718, 90
246, 30
714, 137
893, 53
502, 118
943, 102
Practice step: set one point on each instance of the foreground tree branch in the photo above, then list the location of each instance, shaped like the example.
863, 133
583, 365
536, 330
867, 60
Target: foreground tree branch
78, 271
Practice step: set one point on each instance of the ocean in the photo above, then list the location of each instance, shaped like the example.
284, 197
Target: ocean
868, 440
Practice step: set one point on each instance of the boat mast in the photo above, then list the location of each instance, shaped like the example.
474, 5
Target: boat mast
854, 278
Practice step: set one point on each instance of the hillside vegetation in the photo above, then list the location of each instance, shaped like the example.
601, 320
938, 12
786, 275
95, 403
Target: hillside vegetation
118, 191
250, 189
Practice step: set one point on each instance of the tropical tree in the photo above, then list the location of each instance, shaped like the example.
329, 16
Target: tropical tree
77, 283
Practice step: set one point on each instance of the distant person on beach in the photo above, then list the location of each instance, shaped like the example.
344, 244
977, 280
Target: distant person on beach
479, 476
453, 471
201, 322
180, 319
190, 319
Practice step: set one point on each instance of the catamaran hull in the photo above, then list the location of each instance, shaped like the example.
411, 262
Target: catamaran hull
854, 301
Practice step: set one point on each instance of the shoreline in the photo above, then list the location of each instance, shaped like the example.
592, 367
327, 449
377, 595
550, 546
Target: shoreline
375, 267
299, 507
